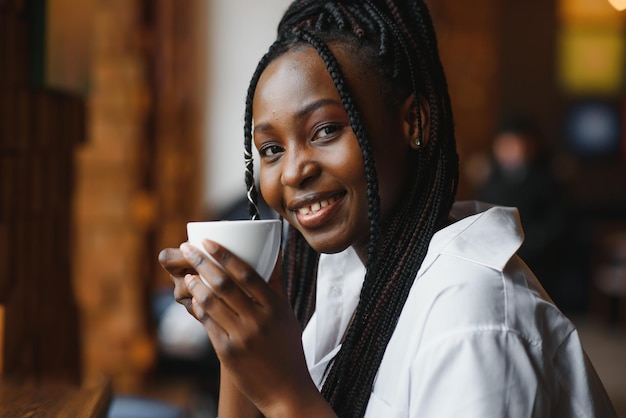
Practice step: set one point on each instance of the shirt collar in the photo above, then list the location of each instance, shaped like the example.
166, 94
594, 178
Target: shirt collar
339, 281
485, 234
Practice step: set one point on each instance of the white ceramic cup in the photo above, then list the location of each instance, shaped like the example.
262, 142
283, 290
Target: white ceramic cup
256, 242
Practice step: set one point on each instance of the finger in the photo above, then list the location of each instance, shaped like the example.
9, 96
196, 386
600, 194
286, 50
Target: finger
246, 277
172, 260
206, 304
219, 281
216, 333
181, 292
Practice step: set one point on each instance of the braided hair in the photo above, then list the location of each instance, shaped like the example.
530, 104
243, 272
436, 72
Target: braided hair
396, 40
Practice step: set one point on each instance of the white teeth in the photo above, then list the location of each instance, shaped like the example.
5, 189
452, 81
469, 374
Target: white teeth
315, 207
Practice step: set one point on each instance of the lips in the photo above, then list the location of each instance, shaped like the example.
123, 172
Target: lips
315, 212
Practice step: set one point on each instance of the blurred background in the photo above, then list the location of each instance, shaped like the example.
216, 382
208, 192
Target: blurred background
121, 120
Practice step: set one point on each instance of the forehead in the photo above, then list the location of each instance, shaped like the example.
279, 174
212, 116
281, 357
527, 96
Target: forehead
293, 78
302, 69
303, 62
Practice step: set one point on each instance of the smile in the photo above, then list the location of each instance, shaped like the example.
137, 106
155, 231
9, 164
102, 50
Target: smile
316, 207
317, 212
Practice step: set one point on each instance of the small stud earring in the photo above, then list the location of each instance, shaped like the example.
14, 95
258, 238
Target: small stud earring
418, 143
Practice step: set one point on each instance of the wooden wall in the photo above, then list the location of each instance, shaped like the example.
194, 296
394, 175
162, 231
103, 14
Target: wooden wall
138, 176
469, 44
39, 130
92, 186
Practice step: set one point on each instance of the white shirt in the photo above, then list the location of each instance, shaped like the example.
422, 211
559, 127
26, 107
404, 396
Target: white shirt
477, 337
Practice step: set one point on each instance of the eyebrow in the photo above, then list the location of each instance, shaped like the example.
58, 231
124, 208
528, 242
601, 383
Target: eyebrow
307, 109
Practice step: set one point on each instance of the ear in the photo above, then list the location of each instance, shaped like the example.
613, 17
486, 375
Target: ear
412, 122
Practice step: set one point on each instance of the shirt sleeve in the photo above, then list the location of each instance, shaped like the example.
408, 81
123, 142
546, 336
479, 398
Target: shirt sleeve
583, 394
485, 373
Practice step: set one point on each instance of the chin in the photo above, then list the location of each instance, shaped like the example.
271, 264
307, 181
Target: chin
326, 245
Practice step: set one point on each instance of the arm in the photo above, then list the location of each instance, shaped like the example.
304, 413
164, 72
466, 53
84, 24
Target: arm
232, 402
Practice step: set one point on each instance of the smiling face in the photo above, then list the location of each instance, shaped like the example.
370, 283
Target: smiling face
312, 170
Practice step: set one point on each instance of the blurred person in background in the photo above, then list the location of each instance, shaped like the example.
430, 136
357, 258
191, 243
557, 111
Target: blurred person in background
522, 175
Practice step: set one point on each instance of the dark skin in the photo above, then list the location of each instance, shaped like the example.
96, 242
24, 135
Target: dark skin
312, 174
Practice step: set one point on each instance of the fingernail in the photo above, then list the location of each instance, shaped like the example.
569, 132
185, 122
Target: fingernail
186, 249
191, 254
188, 278
210, 246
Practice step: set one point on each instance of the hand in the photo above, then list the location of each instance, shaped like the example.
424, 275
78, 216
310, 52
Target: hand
251, 326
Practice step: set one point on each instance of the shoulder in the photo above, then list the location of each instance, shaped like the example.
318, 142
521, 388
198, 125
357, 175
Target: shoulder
477, 327
460, 297
473, 281
472, 332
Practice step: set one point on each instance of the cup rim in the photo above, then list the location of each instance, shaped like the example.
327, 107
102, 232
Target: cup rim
236, 220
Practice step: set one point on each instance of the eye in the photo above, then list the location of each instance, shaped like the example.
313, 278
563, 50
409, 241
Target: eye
326, 132
270, 150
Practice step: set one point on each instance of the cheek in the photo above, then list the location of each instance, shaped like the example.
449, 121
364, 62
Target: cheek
355, 171
271, 188
345, 160
352, 171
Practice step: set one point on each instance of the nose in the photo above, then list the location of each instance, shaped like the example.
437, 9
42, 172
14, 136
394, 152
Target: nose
299, 168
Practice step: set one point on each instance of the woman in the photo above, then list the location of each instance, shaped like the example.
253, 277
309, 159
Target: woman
410, 306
